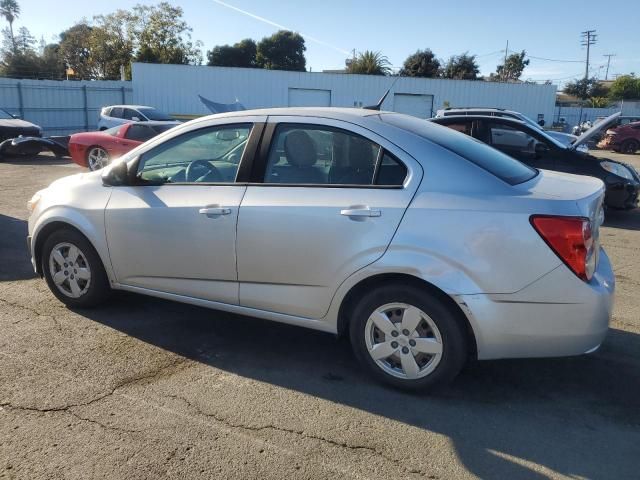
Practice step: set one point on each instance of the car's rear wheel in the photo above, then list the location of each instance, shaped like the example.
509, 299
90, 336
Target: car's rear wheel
406, 337
97, 158
73, 270
630, 146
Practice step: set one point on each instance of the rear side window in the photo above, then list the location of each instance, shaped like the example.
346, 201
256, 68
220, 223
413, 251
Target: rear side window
318, 155
495, 162
129, 114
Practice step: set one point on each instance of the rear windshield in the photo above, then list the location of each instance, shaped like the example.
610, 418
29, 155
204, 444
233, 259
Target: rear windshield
502, 166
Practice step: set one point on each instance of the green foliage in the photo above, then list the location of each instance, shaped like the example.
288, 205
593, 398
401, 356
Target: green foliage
163, 37
113, 40
284, 50
461, 67
241, 54
423, 63
10, 10
625, 87
599, 102
75, 50
511, 69
369, 63
585, 88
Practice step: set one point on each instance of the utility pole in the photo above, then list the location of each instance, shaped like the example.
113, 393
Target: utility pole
608, 55
504, 64
588, 39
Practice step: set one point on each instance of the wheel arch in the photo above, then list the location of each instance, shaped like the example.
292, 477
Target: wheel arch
356, 291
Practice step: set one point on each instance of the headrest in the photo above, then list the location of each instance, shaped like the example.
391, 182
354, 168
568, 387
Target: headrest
360, 154
300, 149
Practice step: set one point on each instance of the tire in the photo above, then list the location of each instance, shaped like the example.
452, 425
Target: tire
437, 324
97, 158
630, 146
91, 282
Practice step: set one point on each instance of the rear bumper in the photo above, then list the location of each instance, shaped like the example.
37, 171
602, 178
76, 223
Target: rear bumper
558, 315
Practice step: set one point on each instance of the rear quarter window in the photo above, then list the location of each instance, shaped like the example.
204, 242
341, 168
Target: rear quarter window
495, 162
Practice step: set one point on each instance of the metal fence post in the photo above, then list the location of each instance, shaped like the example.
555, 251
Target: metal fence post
20, 100
124, 97
86, 108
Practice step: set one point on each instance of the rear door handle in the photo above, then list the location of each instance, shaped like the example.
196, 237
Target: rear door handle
360, 212
214, 211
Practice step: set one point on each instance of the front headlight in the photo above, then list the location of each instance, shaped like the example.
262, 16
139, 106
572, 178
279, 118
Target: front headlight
617, 169
31, 204
582, 148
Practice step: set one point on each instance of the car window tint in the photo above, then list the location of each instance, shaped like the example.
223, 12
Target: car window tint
505, 136
462, 127
391, 171
308, 154
116, 112
206, 155
129, 113
140, 133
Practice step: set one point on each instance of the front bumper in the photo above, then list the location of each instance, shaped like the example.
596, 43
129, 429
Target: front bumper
558, 315
620, 193
31, 255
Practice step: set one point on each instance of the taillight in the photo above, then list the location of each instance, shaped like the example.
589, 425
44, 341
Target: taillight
571, 239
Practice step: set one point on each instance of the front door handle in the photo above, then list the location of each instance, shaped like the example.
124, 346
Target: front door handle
214, 211
360, 212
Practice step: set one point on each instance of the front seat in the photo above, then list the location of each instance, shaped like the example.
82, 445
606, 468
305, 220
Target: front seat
302, 155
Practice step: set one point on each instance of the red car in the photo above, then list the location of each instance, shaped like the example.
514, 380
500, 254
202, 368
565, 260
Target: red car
624, 139
94, 150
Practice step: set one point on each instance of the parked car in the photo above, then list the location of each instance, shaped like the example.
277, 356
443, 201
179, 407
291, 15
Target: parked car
120, 114
425, 246
541, 151
95, 150
564, 138
624, 139
11, 127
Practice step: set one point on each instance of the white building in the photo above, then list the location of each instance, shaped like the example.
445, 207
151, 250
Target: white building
175, 89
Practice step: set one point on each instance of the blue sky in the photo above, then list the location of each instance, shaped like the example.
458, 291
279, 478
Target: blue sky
544, 28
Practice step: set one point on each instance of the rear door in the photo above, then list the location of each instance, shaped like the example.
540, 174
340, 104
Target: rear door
325, 201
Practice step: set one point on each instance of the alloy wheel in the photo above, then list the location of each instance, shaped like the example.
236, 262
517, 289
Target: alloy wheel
97, 158
69, 270
403, 341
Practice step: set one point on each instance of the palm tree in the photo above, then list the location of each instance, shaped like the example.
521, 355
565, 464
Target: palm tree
10, 10
370, 63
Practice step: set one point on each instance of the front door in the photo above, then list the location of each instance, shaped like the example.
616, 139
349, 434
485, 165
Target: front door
175, 230
330, 200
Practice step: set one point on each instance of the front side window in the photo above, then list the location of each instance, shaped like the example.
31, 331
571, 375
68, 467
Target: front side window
208, 155
130, 113
139, 133
318, 155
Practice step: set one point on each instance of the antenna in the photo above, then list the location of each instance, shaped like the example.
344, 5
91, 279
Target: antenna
378, 105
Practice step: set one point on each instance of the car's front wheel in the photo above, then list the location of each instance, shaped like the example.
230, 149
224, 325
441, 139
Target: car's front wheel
97, 158
407, 337
73, 270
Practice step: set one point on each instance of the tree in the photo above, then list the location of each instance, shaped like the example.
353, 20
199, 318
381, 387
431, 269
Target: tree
461, 67
241, 54
284, 50
369, 63
113, 43
625, 87
585, 88
511, 69
75, 50
10, 10
163, 36
423, 63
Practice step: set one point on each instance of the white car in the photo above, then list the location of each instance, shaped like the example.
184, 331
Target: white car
116, 115
423, 245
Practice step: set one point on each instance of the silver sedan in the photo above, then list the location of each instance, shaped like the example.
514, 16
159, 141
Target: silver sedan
426, 247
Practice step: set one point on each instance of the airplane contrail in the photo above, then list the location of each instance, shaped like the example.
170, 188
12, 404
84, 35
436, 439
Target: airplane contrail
282, 27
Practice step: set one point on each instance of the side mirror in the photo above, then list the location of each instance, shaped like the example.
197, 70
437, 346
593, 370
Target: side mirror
541, 148
115, 175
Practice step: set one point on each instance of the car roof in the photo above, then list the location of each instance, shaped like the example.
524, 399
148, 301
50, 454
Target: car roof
155, 122
484, 109
129, 106
449, 118
337, 113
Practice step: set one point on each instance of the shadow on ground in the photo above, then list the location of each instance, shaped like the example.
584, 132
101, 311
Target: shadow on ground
15, 261
623, 219
482, 412
41, 159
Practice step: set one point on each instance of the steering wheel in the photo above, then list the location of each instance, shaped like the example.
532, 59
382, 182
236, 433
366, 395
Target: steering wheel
200, 168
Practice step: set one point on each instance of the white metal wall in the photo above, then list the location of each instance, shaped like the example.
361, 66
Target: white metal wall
175, 89
61, 107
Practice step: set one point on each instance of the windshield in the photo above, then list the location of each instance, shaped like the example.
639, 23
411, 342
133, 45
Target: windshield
113, 131
495, 162
4, 115
153, 114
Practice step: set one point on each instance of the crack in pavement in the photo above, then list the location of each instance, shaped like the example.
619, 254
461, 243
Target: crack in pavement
303, 434
33, 311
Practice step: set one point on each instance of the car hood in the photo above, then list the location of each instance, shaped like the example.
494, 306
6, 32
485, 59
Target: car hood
77, 179
602, 125
16, 123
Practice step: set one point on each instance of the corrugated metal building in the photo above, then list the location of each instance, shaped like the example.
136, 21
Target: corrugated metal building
175, 89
